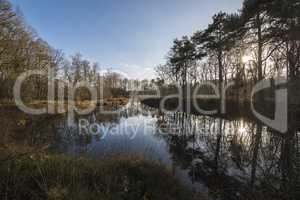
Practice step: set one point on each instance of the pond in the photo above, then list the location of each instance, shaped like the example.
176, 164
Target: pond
216, 156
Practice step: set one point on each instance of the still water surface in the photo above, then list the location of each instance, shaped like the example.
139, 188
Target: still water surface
227, 156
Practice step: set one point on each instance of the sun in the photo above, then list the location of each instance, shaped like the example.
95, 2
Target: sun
246, 59
242, 130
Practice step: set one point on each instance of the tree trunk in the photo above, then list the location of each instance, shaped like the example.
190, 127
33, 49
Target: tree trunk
220, 66
260, 48
257, 142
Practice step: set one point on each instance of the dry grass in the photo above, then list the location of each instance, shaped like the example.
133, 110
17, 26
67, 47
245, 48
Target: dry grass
108, 103
44, 176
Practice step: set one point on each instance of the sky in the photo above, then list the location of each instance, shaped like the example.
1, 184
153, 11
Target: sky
130, 36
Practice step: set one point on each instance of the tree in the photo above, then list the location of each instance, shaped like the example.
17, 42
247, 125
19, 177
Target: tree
181, 58
257, 25
20, 50
286, 28
218, 38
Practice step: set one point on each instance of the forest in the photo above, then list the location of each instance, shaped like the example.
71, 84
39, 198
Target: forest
260, 41
21, 50
138, 149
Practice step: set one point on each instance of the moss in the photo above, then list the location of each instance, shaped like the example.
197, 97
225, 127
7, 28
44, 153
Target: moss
44, 176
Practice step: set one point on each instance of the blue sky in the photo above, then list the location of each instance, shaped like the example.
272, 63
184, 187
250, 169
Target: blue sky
132, 36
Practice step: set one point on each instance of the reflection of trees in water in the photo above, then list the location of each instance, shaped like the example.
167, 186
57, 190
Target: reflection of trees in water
55, 131
234, 158
71, 141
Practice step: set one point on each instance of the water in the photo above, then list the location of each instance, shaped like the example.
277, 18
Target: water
211, 155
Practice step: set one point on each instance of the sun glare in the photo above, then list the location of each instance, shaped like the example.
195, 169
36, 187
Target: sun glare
246, 58
242, 130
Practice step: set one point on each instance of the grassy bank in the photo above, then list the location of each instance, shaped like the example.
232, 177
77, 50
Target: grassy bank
233, 109
44, 176
16, 124
108, 103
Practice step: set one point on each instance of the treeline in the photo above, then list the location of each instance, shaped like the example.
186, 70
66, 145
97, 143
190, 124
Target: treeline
21, 49
260, 41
